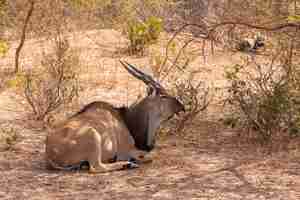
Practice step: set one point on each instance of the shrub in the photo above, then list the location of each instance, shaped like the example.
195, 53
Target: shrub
142, 34
3, 48
263, 100
8, 137
183, 82
195, 95
56, 85
16, 81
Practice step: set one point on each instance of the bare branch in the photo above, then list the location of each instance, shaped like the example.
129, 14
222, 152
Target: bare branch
23, 36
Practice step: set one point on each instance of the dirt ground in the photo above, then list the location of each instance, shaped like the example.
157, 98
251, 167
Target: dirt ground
208, 161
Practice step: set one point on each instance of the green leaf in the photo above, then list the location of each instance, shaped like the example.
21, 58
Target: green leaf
17, 81
294, 18
3, 48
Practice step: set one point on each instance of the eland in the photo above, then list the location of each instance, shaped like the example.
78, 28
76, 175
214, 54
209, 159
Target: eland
108, 138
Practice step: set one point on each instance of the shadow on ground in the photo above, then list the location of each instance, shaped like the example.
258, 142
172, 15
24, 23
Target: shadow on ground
205, 163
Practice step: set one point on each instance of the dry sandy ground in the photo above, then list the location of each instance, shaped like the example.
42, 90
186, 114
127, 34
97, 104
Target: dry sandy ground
207, 162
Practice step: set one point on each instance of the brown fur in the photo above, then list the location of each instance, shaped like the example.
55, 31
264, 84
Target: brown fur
95, 134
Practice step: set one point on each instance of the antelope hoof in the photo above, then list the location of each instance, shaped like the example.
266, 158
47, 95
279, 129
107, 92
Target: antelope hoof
141, 160
131, 165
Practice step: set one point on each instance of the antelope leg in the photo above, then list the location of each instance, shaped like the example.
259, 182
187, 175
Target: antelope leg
93, 139
135, 156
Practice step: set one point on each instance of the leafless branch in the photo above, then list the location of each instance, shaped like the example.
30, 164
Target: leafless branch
23, 35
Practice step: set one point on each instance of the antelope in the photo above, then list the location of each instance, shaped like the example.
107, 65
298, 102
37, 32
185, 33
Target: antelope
108, 138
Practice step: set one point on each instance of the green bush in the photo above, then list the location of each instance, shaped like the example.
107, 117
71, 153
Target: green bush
294, 18
142, 34
18, 81
8, 137
264, 101
3, 48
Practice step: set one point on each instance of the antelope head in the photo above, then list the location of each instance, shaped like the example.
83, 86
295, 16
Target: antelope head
144, 118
